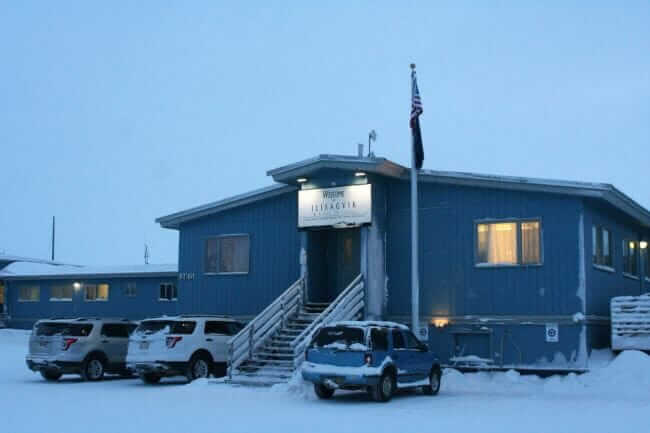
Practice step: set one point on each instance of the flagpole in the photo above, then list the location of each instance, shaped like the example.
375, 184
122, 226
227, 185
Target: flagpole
415, 278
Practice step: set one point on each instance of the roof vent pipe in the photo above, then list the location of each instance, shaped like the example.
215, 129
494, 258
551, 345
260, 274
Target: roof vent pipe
360, 150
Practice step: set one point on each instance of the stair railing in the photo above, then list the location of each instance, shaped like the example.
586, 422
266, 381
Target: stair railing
264, 325
347, 306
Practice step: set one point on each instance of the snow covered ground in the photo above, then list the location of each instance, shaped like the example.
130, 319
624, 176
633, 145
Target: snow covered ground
612, 398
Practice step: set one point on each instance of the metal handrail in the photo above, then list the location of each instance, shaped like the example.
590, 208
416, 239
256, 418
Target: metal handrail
345, 307
255, 333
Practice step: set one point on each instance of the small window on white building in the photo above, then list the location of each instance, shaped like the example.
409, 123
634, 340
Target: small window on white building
61, 293
168, 292
601, 239
509, 243
227, 254
631, 258
29, 294
96, 292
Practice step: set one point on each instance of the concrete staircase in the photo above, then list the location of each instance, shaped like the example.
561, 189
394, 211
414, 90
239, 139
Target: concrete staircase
274, 362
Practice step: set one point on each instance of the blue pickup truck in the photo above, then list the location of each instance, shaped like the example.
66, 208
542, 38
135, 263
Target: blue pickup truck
379, 357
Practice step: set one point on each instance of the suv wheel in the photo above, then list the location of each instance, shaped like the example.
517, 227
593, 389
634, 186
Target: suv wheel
384, 390
199, 367
434, 382
150, 378
50, 375
322, 391
93, 369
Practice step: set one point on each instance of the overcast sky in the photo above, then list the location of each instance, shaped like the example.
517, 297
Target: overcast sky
115, 113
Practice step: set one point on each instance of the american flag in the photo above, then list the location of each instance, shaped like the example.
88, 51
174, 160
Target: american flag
416, 110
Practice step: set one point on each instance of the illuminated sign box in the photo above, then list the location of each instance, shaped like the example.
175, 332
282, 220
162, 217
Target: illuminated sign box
337, 207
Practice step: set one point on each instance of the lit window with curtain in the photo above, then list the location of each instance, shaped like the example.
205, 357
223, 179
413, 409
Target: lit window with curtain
509, 243
630, 258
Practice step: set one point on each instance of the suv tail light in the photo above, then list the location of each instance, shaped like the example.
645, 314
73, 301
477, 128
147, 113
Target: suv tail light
368, 358
67, 342
171, 341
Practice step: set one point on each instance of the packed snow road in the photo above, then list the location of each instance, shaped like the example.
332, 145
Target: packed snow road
612, 398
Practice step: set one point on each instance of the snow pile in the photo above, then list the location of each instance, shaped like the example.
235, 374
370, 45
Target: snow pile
296, 387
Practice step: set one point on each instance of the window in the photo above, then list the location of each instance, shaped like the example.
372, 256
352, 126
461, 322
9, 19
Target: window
29, 294
49, 329
61, 293
509, 243
235, 327
411, 341
601, 248
631, 258
379, 339
168, 292
130, 291
398, 340
227, 254
215, 327
334, 337
96, 292
115, 330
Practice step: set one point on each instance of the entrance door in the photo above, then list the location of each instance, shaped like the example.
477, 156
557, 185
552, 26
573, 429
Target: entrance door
334, 260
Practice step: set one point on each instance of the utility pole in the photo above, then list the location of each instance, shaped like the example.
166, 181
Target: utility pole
53, 235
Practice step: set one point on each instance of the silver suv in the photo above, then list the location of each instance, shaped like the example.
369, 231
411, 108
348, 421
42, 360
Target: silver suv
84, 346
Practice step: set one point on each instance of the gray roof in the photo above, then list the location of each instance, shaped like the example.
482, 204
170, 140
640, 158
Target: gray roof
15, 272
6, 260
174, 220
286, 177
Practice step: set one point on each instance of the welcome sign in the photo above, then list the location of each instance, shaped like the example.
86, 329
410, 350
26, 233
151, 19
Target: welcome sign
346, 205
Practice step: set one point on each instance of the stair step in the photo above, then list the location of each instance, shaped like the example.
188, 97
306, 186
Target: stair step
273, 362
274, 355
256, 381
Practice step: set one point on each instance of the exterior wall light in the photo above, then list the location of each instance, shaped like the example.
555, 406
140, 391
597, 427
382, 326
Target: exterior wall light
643, 245
301, 180
360, 174
440, 323
76, 285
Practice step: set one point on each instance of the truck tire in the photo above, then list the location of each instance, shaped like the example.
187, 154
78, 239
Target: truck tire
93, 368
323, 392
385, 389
434, 382
199, 367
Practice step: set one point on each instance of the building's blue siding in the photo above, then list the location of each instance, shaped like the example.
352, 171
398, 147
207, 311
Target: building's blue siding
451, 284
274, 258
603, 285
145, 304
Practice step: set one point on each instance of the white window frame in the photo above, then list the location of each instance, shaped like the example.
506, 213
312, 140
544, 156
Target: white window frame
518, 222
599, 230
637, 256
96, 299
37, 287
169, 285
131, 289
217, 238
59, 299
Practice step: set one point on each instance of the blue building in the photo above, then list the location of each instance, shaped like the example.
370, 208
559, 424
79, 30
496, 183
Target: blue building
514, 272
36, 291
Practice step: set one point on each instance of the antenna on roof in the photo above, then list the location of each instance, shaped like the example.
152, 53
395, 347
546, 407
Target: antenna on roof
146, 254
53, 235
372, 136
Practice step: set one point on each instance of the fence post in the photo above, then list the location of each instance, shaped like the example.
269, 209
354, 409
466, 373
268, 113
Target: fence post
230, 353
250, 341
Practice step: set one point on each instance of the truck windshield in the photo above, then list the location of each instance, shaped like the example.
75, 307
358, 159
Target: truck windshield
166, 327
340, 337
48, 329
